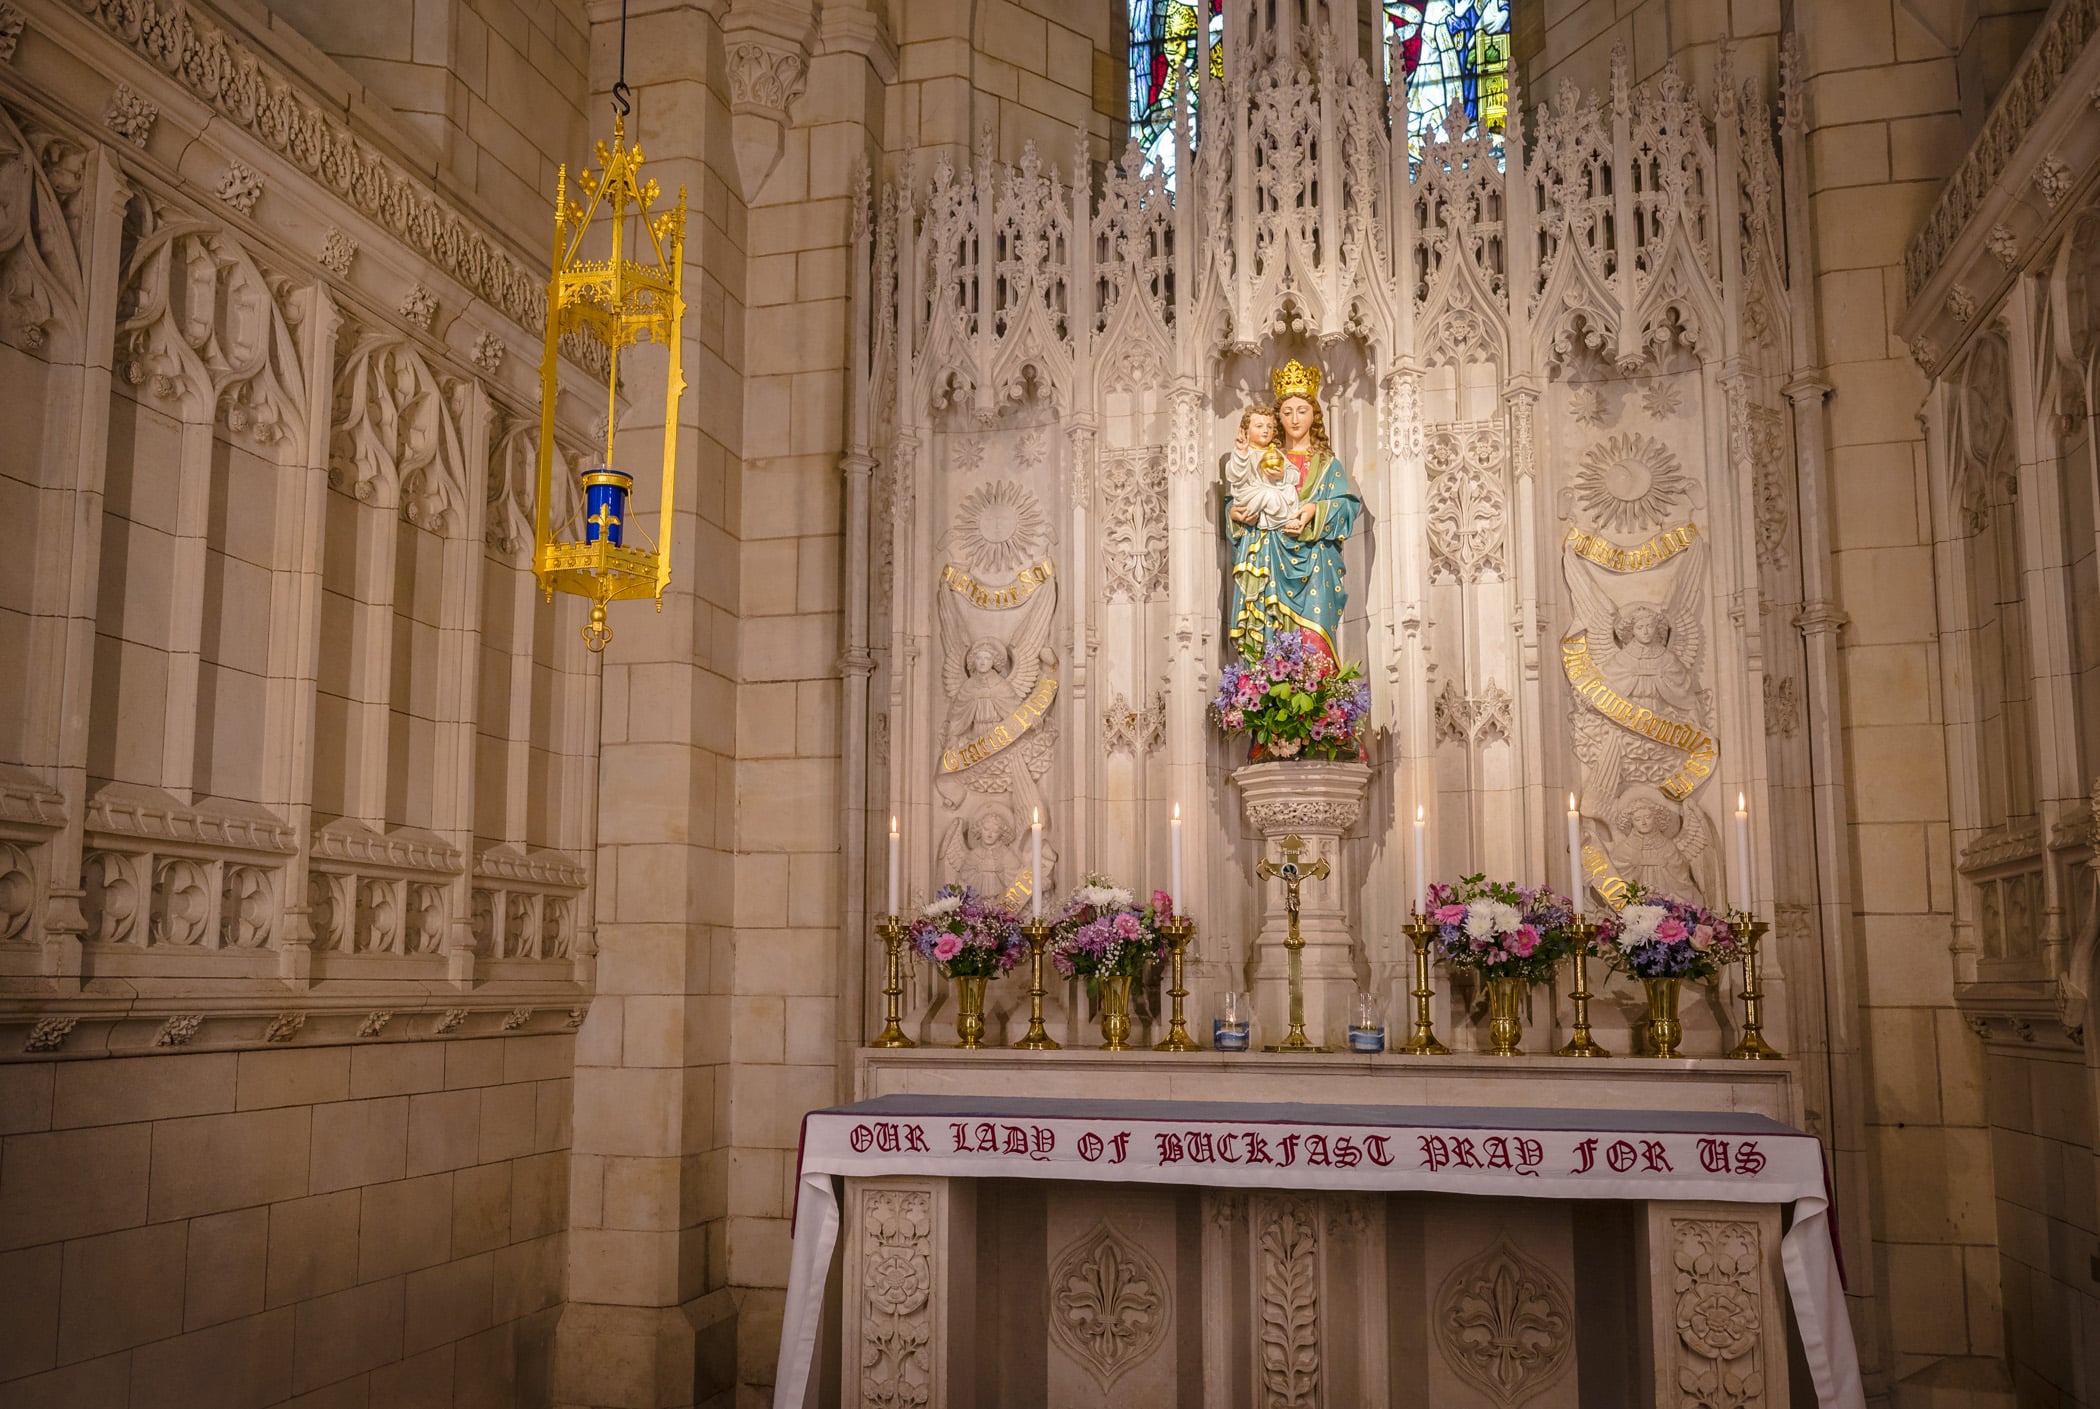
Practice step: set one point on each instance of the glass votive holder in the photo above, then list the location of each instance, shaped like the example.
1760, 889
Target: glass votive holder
1232, 1030
1367, 1025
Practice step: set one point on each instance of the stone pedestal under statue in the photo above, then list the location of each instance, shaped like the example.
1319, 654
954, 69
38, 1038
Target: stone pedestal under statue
1316, 802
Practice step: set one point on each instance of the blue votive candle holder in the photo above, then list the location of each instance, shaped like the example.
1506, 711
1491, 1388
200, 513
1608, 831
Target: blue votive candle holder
1227, 1035
1366, 1040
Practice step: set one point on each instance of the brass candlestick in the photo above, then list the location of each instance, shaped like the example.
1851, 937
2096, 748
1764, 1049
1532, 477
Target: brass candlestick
1292, 874
1753, 1047
1037, 1039
1177, 930
1422, 1041
1580, 1043
892, 1035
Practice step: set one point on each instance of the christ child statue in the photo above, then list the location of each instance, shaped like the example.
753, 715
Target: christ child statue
1257, 474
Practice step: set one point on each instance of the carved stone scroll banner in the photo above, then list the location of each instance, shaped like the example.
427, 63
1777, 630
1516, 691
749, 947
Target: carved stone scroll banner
1610, 556
999, 736
996, 599
1592, 688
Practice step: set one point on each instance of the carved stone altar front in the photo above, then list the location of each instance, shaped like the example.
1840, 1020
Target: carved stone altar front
1022, 1293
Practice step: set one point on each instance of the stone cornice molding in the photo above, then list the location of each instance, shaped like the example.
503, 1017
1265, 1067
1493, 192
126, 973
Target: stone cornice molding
121, 812
219, 69
403, 850
546, 868
2037, 148
248, 1016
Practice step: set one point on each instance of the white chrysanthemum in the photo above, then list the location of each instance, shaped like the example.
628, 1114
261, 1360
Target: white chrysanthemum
1099, 897
945, 905
1480, 919
1640, 921
1506, 917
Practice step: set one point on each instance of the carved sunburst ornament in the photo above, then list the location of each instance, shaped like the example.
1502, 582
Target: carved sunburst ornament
1631, 482
1001, 528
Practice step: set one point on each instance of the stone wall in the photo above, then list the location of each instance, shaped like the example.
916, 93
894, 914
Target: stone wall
377, 1223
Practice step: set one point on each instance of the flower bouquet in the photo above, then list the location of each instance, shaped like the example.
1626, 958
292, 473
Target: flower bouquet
1103, 934
1663, 941
1295, 701
971, 940
1513, 935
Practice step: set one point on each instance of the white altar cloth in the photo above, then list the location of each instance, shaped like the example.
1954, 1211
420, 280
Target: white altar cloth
1548, 1154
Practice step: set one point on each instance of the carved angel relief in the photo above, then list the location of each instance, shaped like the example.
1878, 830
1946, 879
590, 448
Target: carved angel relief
1634, 656
995, 604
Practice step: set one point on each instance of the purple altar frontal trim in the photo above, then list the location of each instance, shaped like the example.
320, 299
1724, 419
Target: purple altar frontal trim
1668, 1156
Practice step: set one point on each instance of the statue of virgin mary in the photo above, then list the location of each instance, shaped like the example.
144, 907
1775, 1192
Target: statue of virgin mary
1290, 578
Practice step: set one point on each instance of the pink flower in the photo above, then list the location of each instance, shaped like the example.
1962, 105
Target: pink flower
1127, 926
1670, 931
1162, 904
1523, 941
947, 947
1702, 937
1451, 914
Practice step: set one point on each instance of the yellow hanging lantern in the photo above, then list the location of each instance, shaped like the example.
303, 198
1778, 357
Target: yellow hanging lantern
615, 301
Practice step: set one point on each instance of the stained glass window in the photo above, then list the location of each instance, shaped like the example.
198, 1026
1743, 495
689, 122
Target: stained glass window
1163, 38
1452, 56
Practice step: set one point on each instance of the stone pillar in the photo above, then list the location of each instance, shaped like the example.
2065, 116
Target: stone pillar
1714, 1328
1317, 802
908, 1304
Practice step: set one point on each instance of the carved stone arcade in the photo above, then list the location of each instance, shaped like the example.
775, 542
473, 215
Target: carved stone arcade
1571, 441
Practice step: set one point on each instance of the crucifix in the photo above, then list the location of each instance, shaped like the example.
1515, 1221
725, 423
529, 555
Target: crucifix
1293, 873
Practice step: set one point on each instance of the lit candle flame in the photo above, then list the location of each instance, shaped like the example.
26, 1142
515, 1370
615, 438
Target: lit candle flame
1418, 814
1036, 819
893, 824
1740, 804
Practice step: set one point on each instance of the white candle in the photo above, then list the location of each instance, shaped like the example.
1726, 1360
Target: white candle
1035, 866
1421, 866
1742, 886
1174, 849
893, 864
1576, 889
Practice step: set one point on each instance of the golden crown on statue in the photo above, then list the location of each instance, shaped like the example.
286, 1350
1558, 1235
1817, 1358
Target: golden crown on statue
1294, 378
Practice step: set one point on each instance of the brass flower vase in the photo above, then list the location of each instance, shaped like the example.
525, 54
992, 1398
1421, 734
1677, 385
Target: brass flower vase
1115, 1012
969, 1011
1664, 1030
1505, 1016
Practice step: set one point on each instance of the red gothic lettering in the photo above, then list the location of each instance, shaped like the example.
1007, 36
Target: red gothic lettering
987, 1139
1655, 1158
1201, 1150
915, 1140
961, 1134
1225, 1149
1530, 1154
1016, 1141
1620, 1156
1316, 1150
1257, 1149
1289, 1145
1436, 1152
861, 1138
1463, 1154
1346, 1155
1121, 1145
1497, 1149
886, 1138
1588, 1150
1713, 1156
1041, 1141
1090, 1147
1376, 1144
1749, 1160
1170, 1147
